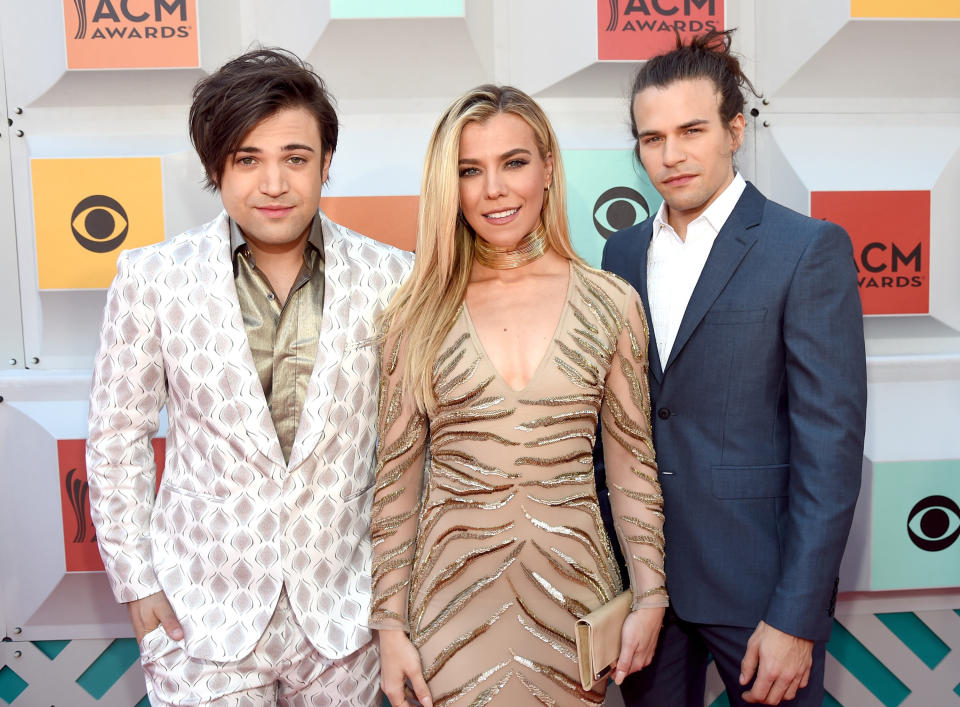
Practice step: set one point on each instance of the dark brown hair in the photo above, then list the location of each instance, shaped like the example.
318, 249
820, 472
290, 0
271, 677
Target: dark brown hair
229, 103
707, 56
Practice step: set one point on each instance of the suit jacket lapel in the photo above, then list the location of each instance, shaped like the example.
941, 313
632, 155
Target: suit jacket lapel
732, 243
337, 291
239, 371
638, 266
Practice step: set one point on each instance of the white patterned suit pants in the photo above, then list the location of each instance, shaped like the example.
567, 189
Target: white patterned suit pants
283, 669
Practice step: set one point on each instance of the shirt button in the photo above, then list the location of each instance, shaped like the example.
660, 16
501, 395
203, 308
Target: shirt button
663, 413
271, 297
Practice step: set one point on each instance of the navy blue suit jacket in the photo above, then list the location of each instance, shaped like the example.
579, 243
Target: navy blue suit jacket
758, 418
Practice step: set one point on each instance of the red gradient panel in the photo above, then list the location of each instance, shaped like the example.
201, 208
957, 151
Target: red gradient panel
79, 538
890, 231
635, 30
388, 219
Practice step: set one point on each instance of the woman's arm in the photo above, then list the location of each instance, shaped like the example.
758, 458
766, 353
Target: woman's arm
401, 452
635, 496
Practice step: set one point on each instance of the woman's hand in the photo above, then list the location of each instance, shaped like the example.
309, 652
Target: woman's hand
638, 640
399, 663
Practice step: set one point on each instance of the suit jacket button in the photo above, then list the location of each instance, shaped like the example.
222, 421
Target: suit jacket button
663, 413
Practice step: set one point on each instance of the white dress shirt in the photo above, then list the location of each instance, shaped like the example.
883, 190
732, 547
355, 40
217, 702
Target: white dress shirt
674, 265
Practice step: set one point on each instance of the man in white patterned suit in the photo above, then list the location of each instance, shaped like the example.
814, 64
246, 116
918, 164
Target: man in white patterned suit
247, 573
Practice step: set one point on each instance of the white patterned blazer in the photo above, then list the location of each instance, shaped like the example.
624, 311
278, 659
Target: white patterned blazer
232, 522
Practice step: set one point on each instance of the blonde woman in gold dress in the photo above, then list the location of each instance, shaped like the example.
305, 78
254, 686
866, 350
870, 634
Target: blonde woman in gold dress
499, 356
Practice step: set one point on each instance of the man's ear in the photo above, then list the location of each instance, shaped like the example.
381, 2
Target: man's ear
737, 126
328, 155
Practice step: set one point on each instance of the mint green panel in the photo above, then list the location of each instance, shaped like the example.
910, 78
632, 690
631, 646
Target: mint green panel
374, 9
11, 684
865, 667
916, 525
607, 191
109, 667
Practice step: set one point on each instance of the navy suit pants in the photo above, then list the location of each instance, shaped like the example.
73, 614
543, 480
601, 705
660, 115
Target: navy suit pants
677, 676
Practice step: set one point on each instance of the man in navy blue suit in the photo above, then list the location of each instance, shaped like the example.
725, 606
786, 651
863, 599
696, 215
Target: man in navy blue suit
758, 396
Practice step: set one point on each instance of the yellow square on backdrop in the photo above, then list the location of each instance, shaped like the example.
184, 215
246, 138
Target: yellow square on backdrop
904, 9
86, 211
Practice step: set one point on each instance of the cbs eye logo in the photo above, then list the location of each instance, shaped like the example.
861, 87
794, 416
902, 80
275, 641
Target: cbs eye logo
619, 208
99, 223
934, 523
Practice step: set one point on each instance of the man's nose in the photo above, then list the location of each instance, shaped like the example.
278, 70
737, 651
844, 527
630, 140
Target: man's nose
673, 152
273, 180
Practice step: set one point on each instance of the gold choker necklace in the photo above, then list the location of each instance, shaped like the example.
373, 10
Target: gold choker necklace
531, 246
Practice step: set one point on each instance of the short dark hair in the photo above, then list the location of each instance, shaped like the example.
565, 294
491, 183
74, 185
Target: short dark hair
229, 103
707, 56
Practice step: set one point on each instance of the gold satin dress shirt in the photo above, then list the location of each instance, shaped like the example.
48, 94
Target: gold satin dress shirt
283, 338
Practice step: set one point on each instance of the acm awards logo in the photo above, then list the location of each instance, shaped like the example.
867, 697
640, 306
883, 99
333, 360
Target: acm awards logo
78, 494
152, 19
885, 266
618, 208
99, 223
934, 523
694, 16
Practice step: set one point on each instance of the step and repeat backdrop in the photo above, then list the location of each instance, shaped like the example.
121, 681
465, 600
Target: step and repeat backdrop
859, 123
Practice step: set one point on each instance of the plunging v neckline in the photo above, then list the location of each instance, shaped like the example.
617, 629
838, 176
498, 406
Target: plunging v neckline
548, 352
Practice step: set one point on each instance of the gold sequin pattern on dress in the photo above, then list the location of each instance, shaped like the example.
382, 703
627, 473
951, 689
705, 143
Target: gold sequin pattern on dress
488, 540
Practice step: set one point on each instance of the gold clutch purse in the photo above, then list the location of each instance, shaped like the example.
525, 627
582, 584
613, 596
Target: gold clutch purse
598, 638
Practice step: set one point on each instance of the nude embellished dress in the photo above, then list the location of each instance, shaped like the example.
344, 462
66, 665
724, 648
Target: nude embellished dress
488, 540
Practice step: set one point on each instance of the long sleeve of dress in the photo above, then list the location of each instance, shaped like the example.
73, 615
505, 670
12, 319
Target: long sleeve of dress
401, 448
631, 467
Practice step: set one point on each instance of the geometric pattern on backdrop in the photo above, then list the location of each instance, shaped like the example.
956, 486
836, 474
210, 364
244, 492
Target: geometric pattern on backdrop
117, 34
916, 525
890, 231
79, 537
635, 30
86, 211
904, 659
100, 672
607, 191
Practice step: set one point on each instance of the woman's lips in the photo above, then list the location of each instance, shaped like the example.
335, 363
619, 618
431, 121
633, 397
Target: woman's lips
502, 216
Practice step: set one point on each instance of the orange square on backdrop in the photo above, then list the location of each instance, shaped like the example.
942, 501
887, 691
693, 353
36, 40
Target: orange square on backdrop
388, 219
635, 30
131, 34
890, 231
79, 537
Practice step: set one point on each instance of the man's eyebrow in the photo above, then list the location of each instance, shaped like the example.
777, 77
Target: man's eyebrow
286, 148
689, 124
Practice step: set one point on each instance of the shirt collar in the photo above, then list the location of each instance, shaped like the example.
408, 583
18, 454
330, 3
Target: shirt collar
716, 214
238, 241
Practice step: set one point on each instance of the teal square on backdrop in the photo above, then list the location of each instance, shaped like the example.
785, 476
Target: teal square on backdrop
916, 525
607, 191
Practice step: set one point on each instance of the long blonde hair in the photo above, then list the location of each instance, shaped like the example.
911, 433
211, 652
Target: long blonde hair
426, 306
